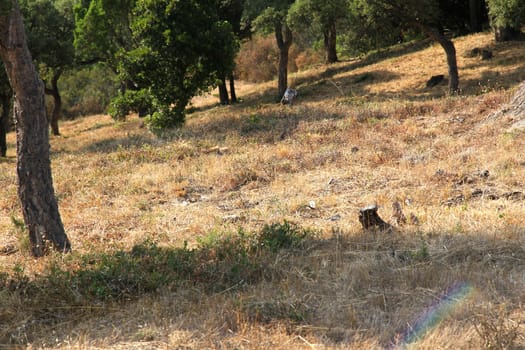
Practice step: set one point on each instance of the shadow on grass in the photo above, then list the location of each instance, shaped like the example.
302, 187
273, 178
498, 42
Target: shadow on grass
261, 125
111, 145
395, 277
85, 283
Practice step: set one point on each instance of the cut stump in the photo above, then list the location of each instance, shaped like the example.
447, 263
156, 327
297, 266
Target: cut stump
369, 218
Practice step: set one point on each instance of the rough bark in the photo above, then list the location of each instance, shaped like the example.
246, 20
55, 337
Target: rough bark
56, 114
284, 37
5, 100
233, 95
514, 110
330, 44
35, 185
3, 141
223, 93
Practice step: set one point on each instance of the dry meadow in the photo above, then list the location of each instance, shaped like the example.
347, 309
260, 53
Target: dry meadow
361, 132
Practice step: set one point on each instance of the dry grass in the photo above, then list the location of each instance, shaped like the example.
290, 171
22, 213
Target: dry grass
361, 132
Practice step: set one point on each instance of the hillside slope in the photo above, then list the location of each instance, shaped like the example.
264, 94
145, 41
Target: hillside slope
361, 132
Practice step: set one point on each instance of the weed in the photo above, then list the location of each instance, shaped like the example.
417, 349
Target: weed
270, 310
283, 235
496, 330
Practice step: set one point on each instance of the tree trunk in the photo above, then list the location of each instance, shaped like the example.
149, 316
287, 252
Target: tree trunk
233, 95
475, 15
223, 92
284, 37
35, 185
4, 117
515, 109
57, 103
506, 34
450, 50
330, 44
3, 132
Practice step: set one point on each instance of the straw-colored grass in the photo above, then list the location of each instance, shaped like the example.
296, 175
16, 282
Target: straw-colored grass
361, 132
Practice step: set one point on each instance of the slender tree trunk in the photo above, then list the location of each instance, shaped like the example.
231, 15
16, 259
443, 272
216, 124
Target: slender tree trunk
475, 15
3, 132
284, 37
330, 44
450, 51
4, 117
57, 103
223, 92
233, 95
35, 185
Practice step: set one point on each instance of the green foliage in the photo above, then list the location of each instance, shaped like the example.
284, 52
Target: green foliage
5, 7
139, 101
184, 48
506, 13
306, 14
278, 236
49, 26
220, 261
88, 90
102, 29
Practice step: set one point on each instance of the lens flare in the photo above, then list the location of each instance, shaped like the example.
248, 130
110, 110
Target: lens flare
433, 315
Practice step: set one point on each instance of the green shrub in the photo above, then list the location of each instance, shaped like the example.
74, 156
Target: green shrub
139, 101
281, 236
221, 261
87, 90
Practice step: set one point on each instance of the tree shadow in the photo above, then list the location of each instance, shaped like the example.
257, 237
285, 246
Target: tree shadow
114, 144
263, 125
394, 276
8, 159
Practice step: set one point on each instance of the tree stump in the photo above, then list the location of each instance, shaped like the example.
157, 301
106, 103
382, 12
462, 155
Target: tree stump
369, 218
435, 80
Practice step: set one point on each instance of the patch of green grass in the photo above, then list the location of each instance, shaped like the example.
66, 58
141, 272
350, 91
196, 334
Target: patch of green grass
219, 262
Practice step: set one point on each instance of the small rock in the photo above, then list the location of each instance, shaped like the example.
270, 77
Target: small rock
335, 217
311, 205
413, 219
435, 80
231, 218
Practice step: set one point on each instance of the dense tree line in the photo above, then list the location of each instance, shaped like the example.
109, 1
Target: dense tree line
164, 52
193, 43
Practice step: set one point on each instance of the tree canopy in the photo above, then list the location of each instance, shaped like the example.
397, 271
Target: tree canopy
324, 16
183, 48
49, 26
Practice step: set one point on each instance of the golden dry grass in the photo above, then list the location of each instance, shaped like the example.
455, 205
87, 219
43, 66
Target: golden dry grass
361, 132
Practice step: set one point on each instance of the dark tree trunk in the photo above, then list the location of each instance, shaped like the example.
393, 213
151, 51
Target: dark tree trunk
4, 117
330, 44
506, 34
369, 219
35, 185
475, 15
3, 132
56, 114
223, 93
450, 51
233, 95
284, 37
